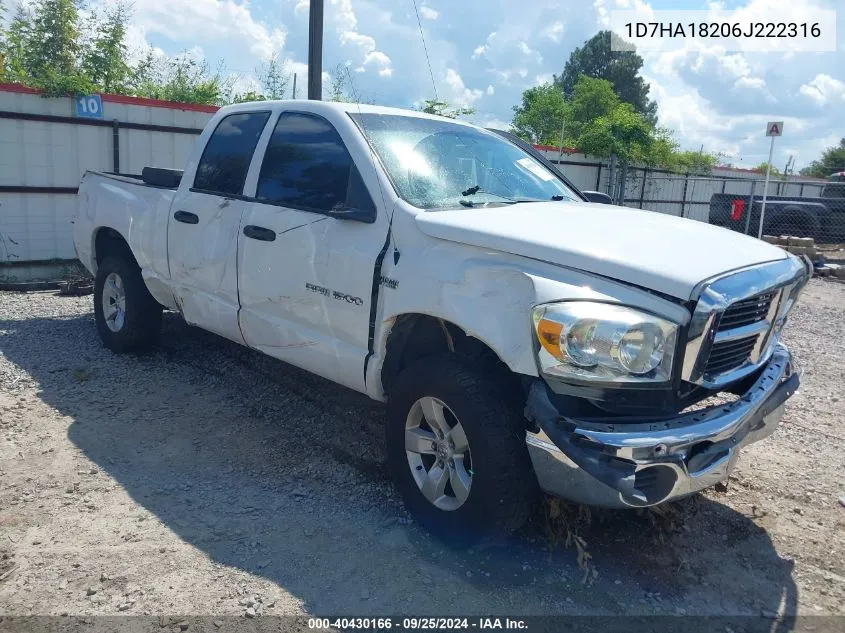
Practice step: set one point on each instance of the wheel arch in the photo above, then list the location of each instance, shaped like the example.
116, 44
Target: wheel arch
107, 241
415, 335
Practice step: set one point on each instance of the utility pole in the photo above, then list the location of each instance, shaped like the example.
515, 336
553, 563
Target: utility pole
294, 85
315, 50
560, 147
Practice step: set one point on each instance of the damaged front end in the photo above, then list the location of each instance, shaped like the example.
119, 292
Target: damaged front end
625, 442
628, 465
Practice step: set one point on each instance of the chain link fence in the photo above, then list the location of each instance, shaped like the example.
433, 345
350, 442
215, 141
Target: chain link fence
810, 209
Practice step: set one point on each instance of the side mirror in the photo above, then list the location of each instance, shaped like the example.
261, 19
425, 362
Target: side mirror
368, 216
597, 197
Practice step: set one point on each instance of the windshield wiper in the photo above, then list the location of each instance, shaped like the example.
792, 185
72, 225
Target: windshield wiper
477, 189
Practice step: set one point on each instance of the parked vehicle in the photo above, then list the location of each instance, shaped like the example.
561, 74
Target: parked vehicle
522, 338
822, 218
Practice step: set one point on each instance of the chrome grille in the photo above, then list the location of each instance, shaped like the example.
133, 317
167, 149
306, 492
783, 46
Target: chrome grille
737, 321
728, 355
746, 312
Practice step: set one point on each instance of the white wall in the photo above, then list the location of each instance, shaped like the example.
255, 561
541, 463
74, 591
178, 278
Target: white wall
36, 226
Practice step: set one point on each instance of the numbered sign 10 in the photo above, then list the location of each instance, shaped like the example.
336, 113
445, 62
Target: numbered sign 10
89, 106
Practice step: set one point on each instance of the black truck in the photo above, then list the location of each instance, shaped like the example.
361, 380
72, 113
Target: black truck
822, 218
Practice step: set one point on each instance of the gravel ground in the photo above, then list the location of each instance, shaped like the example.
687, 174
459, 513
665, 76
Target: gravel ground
204, 478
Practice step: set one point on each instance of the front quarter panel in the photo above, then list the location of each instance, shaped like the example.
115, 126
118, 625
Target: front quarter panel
490, 296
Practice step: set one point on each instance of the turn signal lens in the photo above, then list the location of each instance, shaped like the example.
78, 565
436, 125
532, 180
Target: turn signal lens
548, 333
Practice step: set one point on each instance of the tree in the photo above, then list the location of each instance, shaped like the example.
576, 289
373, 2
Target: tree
692, 162
180, 78
762, 167
539, 117
2, 40
623, 131
591, 99
443, 108
105, 60
52, 48
621, 68
831, 161
273, 78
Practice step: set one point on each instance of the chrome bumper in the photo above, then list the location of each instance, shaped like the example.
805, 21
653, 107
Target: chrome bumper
637, 465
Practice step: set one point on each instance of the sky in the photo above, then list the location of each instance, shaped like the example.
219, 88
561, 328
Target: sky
485, 53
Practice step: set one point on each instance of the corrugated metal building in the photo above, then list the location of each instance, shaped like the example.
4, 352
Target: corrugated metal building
47, 144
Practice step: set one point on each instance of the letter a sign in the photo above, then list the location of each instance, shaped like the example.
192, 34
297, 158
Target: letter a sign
775, 128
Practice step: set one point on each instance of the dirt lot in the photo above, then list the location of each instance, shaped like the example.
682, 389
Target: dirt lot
202, 477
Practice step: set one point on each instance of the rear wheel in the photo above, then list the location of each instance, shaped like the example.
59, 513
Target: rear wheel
127, 316
456, 451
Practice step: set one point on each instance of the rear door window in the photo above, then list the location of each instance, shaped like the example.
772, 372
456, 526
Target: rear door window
226, 157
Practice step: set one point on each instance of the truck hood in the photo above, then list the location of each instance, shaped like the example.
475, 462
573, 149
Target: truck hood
660, 252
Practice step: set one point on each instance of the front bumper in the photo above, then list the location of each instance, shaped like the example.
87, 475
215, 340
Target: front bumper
643, 464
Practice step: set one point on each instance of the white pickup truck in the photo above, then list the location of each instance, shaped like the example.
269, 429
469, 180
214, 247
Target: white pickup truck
523, 338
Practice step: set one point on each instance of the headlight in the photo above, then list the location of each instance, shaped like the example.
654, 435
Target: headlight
601, 342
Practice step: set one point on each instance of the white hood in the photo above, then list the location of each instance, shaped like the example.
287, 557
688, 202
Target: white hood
652, 250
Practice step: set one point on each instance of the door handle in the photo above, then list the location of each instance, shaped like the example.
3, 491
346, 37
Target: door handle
259, 233
186, 218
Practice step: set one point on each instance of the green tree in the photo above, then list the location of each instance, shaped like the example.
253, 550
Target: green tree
180, 78
16, 40
2, 40
831, 161
623, 131
53, 48
539, 117
762, 167
443, 108
273, 78
591, 99
621, 68
105, 59
692, 162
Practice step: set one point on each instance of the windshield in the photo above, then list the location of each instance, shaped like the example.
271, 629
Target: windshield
437, 164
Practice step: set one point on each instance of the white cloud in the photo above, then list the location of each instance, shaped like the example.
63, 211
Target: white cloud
553, 32
428, 13
205, 20
544, 78
483, 48
752, 83
530, 52
823, 89
346, 26
461, 95
302, 7
491, 90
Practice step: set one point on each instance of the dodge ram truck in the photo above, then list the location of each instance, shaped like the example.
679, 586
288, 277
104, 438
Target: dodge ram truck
523, 339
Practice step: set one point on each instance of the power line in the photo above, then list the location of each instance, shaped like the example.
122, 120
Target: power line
425, 48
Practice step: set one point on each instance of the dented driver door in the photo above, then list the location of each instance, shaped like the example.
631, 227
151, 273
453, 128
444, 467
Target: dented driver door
308, 248
202, 233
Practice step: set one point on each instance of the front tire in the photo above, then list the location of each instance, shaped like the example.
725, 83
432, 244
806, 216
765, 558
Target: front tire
456, 451
127, 316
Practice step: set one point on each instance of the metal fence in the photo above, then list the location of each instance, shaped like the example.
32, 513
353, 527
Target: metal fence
805, 208
795, 208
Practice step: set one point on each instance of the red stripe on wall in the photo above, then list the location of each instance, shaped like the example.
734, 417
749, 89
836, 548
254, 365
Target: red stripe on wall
110, 98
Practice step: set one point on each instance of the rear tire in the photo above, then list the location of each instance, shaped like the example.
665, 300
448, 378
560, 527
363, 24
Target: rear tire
482, 435
127, 316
